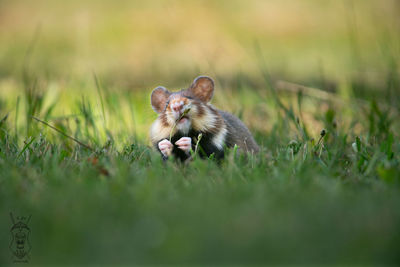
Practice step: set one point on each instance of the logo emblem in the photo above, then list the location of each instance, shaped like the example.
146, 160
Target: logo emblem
20, 245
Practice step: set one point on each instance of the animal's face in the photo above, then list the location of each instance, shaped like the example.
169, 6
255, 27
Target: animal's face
179, 110
180, 107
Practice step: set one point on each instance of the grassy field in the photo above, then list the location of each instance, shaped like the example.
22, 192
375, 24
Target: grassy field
317, 83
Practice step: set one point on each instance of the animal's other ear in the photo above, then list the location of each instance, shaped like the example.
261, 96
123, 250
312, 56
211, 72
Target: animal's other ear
202, 88
159, 98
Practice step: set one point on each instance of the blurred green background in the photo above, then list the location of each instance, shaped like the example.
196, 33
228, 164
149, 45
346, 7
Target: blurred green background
350, 48
288, 69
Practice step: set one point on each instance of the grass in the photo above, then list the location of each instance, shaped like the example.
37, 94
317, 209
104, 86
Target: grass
331, 198
325, 188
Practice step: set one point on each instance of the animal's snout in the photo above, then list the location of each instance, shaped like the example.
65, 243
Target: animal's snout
177, 106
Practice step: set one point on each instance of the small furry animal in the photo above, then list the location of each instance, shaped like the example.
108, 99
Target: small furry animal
186, 114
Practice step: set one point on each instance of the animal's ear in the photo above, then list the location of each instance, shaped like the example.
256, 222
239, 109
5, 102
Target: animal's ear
202, 88
159, 98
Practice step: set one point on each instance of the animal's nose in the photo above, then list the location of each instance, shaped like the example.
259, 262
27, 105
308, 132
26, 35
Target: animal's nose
177, 106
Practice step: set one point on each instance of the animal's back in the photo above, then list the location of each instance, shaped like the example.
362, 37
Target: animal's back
238, 133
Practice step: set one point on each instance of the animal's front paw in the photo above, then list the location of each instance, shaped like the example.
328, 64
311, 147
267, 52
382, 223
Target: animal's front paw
165, 147
185, 144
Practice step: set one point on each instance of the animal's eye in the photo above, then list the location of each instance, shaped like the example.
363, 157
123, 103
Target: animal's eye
166, 104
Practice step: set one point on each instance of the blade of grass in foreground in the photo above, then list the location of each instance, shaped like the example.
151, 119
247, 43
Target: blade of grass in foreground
64, 134
25, 147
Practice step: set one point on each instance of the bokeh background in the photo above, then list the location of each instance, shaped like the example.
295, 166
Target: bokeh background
56, 48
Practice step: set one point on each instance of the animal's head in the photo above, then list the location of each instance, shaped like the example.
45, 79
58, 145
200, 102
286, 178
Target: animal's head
182, 106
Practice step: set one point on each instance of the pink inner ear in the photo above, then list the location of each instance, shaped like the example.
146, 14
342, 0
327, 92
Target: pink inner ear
202, 88
159, 98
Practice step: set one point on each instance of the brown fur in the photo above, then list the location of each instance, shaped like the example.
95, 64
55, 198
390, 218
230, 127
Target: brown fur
225, 128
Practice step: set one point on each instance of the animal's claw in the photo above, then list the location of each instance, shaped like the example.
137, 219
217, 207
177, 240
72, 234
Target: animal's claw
185, 144
165, 147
